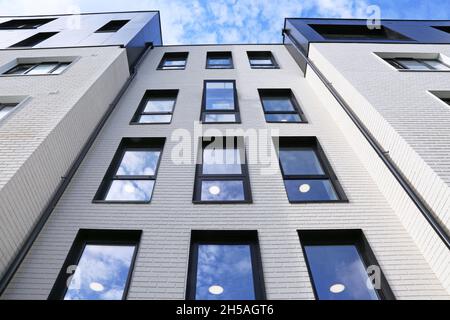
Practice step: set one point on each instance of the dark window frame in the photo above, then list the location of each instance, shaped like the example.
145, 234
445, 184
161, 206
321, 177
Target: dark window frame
277, 92
111, 27
95, 237
268, 54
354, 237
296, 143
35, 65
399, 66
226, 237
213, 54
235, 111
173, 55
34, 40
9, 25
7, 105
244, 176
129, 144
163, 93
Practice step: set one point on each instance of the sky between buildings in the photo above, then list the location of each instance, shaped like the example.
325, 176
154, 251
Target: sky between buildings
235, 21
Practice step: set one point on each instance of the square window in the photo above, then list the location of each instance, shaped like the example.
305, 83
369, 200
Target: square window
261, 60
280, 105
219, 60
173, 61
220, 102
157, 106
112, 26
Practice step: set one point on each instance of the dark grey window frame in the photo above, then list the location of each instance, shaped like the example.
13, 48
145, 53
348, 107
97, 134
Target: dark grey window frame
175, 56
239, 144
296, 143
129, 144
399, 66
33, 23
224, 237
98, 237
213, 54
236, 110
112, 26
267, 54
277, 92
34, 40
163, 93
354, 237
34, 65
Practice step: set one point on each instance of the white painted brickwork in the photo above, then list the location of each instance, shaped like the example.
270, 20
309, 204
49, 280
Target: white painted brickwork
40, 140
161, 265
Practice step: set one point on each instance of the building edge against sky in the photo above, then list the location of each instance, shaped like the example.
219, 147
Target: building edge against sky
367, 150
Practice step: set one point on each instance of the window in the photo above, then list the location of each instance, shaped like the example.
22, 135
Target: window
262, 60
219, 60
340, 263
307, 175
38, 68
156, 107
222, 175
173, 61
225, 265
443, 28
34, 40
6, 108
280, 105
112, 26
98, 267
24, 23
220, 102
356, 32
417, 64
132, 174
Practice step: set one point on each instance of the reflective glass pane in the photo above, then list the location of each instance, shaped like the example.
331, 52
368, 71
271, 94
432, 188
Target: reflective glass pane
220, 117
437, 65
155, 118
413, 64
221, 161
20, 69
139, 163
339, 273
61, 68
300, 162
159, 105
174, 63
219, 96
43, 68
283, 117
4, 111
224, 272
261, 61
277, 103
222, 191
219, 62
310, 190
101, 274
130, 190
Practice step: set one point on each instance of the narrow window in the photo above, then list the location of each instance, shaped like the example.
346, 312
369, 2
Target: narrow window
98, 267
173, 61
262, 60
112, 26
34, 40
132, 174
225, 265
6, 108
222, 174
280, 105
307, 174
342, 266
220, 102
417, 64
38, 68
24, 23
156, 107
219, 60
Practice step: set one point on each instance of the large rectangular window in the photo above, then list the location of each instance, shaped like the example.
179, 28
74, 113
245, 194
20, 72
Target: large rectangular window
6, 108
219, 60
220, 102
173, 61
261, 60
98, 266
24, 23
34, 40
280, 105
132, 174
356, 32
43, 68
112, 26
342, 266
157, 106
225, 265
222, 174
307, 174
418, 64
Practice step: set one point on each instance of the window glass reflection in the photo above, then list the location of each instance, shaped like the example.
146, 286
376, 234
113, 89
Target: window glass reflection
277, 104
130, 190
310, 190
300, 162
219, 96
227, 190
283, 117
219, 117
139, 163
155, 118
101, 274
224, 272
339, 273
221, 161
43, 68
159, 105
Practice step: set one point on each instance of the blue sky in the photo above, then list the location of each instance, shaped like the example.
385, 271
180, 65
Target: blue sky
234, 21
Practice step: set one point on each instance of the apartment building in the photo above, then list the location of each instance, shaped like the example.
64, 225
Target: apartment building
59, 76
243, 172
